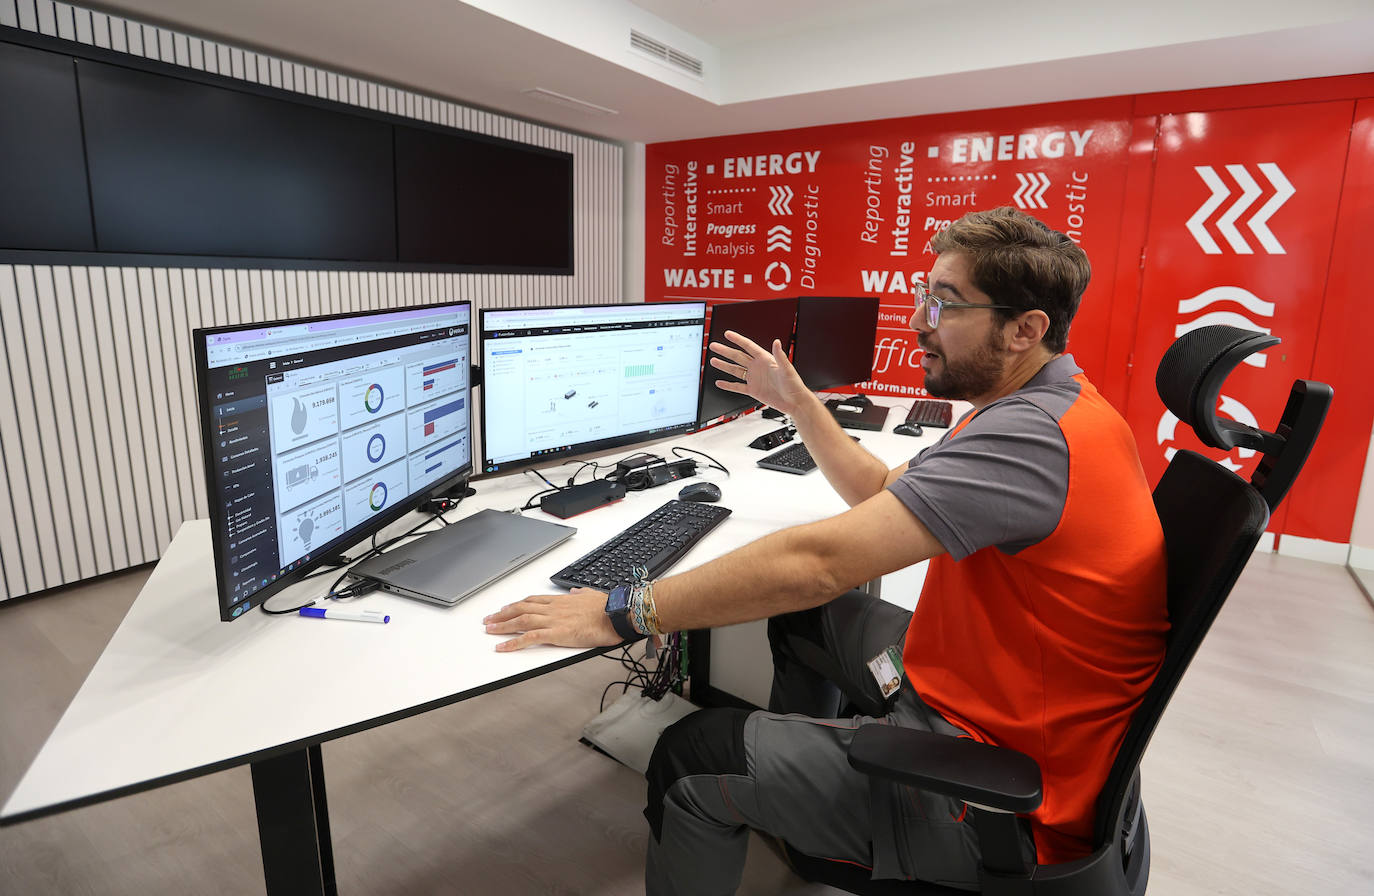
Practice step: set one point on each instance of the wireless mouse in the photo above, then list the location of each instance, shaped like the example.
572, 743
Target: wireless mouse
704, 492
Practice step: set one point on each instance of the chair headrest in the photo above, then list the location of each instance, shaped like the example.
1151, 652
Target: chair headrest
1190, 376
1189, 381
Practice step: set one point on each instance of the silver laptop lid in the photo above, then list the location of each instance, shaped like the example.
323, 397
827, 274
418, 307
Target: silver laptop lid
454, 562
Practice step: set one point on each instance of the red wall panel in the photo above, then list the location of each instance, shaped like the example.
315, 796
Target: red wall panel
849, 210
1248, 205
1322, 504
1242, 214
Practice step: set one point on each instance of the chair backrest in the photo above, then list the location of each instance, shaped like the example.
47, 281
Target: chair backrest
1212, 519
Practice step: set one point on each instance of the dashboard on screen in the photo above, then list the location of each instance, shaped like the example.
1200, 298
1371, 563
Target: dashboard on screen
318, 432
566, 380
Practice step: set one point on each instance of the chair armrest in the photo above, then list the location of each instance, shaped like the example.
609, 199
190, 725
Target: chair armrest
986, 776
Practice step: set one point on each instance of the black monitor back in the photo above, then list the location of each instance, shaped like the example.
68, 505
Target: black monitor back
762, 321
834, 341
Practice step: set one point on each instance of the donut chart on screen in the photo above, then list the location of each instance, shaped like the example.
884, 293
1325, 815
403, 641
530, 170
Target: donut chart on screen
377, 499
376, 448
373, 398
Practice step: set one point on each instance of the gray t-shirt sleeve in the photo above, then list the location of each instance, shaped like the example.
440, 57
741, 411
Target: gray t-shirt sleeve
1002, 480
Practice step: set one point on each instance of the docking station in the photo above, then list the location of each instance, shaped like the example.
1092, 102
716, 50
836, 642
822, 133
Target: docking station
577, 499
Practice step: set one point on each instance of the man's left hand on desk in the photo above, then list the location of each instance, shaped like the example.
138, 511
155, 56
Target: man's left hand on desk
575, 619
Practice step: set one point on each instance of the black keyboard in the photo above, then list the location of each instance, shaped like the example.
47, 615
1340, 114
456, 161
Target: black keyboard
792, 459
931, 412
656, 542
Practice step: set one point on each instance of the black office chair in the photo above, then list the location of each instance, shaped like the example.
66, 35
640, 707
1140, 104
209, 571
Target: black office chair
1212, 520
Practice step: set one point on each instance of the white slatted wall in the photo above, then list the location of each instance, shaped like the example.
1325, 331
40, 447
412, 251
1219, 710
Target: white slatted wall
102, 461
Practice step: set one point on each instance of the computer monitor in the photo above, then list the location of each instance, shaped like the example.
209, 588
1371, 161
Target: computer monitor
318, 432
762, 321
834, 340
558, 381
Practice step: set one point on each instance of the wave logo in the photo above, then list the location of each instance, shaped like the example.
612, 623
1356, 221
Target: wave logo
1250, 190
1168, 426
779, 239
1031, 193
1243, 297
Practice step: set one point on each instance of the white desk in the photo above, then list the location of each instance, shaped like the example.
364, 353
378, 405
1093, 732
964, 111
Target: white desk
177, 693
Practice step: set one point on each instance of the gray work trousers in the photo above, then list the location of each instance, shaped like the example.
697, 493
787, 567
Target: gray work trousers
720, 772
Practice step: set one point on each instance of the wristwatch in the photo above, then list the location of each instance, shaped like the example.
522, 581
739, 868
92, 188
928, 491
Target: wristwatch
618, 609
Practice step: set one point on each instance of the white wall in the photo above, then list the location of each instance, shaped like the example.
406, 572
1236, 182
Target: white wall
1362, 532
634, 222
101, 452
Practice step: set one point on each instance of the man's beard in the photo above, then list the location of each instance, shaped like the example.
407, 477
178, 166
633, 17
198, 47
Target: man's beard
970, 377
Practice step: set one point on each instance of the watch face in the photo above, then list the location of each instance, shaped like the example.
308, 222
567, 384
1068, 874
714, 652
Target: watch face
618, 601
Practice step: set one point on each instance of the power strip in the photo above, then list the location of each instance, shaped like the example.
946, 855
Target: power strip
670, 472
657, 474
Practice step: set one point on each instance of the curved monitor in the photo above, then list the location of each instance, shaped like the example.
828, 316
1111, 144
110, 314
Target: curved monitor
571, 379
320, 431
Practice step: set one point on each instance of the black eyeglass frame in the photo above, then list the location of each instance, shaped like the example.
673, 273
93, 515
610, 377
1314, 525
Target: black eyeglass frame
934, 305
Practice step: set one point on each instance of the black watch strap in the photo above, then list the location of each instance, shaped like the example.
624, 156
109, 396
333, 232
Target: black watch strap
624, 628
617, 608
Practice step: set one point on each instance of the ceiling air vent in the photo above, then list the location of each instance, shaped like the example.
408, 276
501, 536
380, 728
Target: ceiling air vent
568, 102
660, 51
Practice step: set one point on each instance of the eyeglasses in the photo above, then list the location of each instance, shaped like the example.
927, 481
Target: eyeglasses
934, 305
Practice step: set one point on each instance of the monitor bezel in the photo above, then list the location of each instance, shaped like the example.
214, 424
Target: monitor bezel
233, 609
484, 469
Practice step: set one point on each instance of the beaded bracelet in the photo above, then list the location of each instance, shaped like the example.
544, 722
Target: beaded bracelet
643, 613
654, 626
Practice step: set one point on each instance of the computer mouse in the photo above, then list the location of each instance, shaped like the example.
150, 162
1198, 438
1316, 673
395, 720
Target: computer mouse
908, 429
701, 492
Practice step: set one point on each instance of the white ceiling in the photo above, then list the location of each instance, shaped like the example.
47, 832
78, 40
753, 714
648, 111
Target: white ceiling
772, 64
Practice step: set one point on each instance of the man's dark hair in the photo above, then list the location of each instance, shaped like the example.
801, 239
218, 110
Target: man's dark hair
1019, 261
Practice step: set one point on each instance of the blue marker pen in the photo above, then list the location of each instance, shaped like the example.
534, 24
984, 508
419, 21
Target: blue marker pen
338, 613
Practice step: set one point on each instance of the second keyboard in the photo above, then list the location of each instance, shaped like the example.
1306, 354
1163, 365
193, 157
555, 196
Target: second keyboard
792, 459
656, 542
931, 412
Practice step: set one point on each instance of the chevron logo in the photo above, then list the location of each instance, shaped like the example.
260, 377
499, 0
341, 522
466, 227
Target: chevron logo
1252, 303
1249, 192
1031, 193
779, 239
781, 203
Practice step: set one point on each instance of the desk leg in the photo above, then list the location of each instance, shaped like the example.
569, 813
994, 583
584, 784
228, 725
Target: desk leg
293, 824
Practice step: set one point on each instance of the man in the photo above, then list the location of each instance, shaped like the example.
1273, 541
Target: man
1040, 625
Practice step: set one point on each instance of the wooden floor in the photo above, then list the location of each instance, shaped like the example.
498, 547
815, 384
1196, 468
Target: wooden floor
1260, 780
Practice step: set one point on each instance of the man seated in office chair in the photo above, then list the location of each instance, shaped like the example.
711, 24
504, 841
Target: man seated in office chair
1041, 623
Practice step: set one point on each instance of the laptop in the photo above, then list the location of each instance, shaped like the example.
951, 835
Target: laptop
858, 416
457, 561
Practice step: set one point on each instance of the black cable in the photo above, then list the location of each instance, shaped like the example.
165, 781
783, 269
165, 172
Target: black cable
534, 499
669, 673
546, 480
356, 590
572, 480
667, 676
638, 675
263, 606
714, 465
